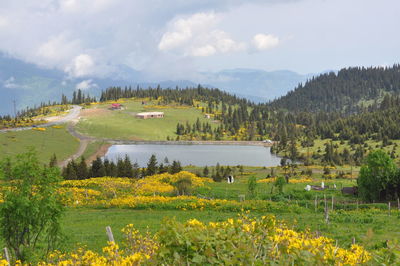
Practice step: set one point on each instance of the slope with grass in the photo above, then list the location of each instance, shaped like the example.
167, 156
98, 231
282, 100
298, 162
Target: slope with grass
52, 140
101, 122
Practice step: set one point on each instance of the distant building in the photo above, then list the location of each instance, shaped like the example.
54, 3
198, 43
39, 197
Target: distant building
116, 106
268, 141
147, 115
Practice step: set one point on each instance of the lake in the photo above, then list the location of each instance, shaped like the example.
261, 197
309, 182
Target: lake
199, 155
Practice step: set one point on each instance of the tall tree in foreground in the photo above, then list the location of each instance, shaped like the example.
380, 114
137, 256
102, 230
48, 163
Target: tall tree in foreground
32, 208
378, 178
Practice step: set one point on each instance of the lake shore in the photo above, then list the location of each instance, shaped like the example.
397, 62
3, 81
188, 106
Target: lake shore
189, 142
200, 153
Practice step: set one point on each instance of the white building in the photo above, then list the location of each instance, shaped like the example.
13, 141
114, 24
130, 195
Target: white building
147, 115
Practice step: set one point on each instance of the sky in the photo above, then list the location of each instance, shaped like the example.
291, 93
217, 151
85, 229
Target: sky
178, 39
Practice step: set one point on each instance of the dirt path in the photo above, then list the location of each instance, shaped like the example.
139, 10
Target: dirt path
99, 153
72, 115
82, 148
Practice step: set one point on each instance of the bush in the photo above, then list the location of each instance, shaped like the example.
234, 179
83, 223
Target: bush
279, 183
32, 207
183, 186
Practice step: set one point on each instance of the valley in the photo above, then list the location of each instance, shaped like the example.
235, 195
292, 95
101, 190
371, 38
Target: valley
301, 167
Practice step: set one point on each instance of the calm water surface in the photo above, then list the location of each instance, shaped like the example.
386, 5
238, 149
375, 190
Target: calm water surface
199, 155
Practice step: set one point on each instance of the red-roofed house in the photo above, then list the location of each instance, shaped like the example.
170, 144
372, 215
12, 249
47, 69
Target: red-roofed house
116, 106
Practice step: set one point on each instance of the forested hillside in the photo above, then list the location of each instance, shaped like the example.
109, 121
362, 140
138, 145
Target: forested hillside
348, 91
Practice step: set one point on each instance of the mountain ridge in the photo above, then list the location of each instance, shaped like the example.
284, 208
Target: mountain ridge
29, 84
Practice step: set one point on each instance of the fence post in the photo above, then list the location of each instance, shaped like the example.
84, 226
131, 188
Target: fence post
326, 210
7, 255
332, 203
389, 207
242, 197
315, 203
353, 240
110, 234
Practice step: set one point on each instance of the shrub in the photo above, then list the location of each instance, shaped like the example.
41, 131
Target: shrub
32, 209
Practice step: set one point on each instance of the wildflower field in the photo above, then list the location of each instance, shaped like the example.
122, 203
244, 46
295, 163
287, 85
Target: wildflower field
243, 240
157, 221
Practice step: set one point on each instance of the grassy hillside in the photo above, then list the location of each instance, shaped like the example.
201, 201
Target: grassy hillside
100, 122
52, 140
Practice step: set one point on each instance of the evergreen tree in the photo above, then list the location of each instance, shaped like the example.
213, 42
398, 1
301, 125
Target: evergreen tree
53, 161
175, 167
128, 169
97, 169
82, 170
205, 171
151, 166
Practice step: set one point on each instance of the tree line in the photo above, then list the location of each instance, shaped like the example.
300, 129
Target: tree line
342, 91
123, 167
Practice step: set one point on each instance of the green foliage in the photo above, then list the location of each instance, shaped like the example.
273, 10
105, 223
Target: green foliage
279, 183
175, 167
183, 186
252, 185
378, 179
342, 91
206, 172
32, 207
195, 245
152, 165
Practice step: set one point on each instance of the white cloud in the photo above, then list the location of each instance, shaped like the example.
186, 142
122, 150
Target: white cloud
86, 84
75, 6
55, 33
206, 50
182, 30
265, 41
82, 65
11, 83
197, 35
3, 22
58, 49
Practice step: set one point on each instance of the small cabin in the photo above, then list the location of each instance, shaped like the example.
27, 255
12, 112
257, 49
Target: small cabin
116, 106
147, 115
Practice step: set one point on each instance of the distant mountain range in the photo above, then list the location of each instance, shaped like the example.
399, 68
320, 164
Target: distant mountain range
255, 84
29, 84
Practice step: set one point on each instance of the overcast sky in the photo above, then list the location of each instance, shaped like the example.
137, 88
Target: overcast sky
175, 39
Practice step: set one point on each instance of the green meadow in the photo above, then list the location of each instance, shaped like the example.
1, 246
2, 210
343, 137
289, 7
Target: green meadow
51, 141
122, 124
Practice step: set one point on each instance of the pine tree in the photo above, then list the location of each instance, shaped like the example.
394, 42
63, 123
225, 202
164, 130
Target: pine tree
205, 171
128, 171
120, 168
97, 169
82, 171
135, 170
53, 161
152, 166
175, 167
